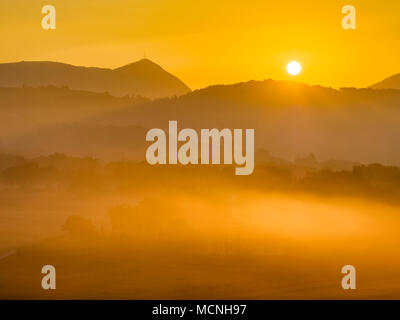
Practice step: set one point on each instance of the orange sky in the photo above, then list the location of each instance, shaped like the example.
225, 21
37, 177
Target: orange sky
209, 41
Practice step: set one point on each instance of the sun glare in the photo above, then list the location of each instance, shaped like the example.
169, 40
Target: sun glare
293, 68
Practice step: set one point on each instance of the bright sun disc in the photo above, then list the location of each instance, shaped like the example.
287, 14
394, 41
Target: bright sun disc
293, 68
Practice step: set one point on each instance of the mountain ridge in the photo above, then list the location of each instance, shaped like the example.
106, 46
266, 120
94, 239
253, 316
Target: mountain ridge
289, 118
143, 77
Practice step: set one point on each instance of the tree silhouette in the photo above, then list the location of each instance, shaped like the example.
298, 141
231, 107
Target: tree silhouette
77, 225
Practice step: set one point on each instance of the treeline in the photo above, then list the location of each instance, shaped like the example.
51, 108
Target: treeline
59, 171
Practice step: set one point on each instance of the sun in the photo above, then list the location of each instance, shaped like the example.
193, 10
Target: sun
293, 68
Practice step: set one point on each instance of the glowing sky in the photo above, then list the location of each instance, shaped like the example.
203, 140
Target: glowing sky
210, 41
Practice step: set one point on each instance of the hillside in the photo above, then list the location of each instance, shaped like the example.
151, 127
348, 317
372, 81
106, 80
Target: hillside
291, 120
26, 109
143, 78
392, 82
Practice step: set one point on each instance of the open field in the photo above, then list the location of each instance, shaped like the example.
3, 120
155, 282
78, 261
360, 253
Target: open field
247, 245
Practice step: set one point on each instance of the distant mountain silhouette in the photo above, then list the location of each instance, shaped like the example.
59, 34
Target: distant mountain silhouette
392, 82
28, 109
143, 78
290, 120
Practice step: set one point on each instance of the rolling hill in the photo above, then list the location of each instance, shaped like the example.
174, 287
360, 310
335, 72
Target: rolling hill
24, 110
144, 78
392, 82
290, 119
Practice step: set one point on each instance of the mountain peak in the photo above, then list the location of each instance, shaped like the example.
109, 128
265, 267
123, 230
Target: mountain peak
143, 77
142, 63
